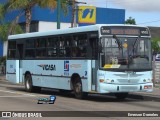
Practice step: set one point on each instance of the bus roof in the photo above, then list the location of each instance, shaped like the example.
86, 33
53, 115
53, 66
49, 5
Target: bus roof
65, 31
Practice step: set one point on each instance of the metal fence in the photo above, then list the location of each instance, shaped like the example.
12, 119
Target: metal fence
156, 71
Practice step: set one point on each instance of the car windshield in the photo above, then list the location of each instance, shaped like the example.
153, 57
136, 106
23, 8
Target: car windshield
158, 56
125, 53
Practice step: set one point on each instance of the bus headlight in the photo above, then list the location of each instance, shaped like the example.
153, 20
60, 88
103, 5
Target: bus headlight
149, 80
108, 81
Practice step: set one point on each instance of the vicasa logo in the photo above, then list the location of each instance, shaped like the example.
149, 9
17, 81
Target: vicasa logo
48, 67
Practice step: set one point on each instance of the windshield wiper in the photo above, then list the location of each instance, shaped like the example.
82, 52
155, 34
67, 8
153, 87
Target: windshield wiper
134, 46
135, 42
118, 42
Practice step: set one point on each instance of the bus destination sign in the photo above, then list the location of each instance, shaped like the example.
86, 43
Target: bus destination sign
125, 30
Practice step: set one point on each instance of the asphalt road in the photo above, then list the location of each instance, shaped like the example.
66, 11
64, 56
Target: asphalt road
14, 98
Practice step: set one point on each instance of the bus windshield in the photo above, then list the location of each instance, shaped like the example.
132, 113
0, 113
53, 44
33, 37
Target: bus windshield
125, 53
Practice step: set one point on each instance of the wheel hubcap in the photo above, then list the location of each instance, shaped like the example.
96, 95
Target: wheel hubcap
27, 85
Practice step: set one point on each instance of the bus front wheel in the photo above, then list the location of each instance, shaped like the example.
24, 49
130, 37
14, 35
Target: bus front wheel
29, 86
77, 87
121, 96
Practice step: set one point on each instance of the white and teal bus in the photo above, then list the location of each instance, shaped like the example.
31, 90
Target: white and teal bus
92, 59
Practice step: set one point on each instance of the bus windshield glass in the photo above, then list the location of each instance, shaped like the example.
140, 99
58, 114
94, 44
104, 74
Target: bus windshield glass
125, 53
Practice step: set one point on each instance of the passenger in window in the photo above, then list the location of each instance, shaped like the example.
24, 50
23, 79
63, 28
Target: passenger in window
83, 52
61, 44
75, 52
68, 52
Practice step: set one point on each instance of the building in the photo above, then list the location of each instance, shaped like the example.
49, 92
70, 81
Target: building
45, 19
155, 32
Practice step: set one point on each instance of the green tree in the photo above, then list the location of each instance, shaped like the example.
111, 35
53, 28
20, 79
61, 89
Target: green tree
155, 44
8, 28
26, 7
131, 21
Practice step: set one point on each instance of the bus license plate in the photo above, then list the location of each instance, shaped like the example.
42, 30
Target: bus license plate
128, 88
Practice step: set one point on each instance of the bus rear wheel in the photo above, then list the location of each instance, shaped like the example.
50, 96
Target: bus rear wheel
29, 86
77, 87
121, 96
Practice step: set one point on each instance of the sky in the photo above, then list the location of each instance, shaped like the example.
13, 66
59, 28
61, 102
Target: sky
145, 12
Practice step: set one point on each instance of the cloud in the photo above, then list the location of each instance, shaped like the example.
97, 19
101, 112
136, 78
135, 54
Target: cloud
138, 5
132, 5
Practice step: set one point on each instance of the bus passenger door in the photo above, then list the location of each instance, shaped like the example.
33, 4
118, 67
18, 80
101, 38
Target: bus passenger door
94, 59
19, 54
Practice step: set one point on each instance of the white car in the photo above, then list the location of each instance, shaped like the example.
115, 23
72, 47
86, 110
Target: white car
157, 57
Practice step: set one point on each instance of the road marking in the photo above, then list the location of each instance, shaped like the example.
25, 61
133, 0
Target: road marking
20, 93
14, 96
21, 96
16, 92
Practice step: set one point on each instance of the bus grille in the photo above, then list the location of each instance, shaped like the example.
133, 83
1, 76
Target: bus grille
128, 81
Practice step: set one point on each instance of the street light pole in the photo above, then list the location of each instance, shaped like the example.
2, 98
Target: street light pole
58, 13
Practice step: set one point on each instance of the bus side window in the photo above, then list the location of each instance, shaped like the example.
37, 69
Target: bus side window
12, 54
62, 48
79, 45
52, 47
65, 46
30, 48
41, 47
12, 49
30, 53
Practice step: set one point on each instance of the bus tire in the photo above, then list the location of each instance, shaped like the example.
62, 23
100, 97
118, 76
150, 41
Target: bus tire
121, 96
77, 87
29, 86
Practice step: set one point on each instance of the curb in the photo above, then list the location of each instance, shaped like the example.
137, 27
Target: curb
144, 97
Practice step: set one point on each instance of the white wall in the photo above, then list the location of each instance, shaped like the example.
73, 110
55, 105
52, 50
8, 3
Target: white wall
47, 26
5, 44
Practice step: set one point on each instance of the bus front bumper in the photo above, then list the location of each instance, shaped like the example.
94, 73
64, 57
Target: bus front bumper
116, 88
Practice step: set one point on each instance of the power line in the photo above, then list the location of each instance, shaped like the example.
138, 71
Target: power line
149, 22
113, 2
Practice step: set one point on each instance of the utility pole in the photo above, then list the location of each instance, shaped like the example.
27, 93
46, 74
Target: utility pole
58, 13
73, 13
74, 10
